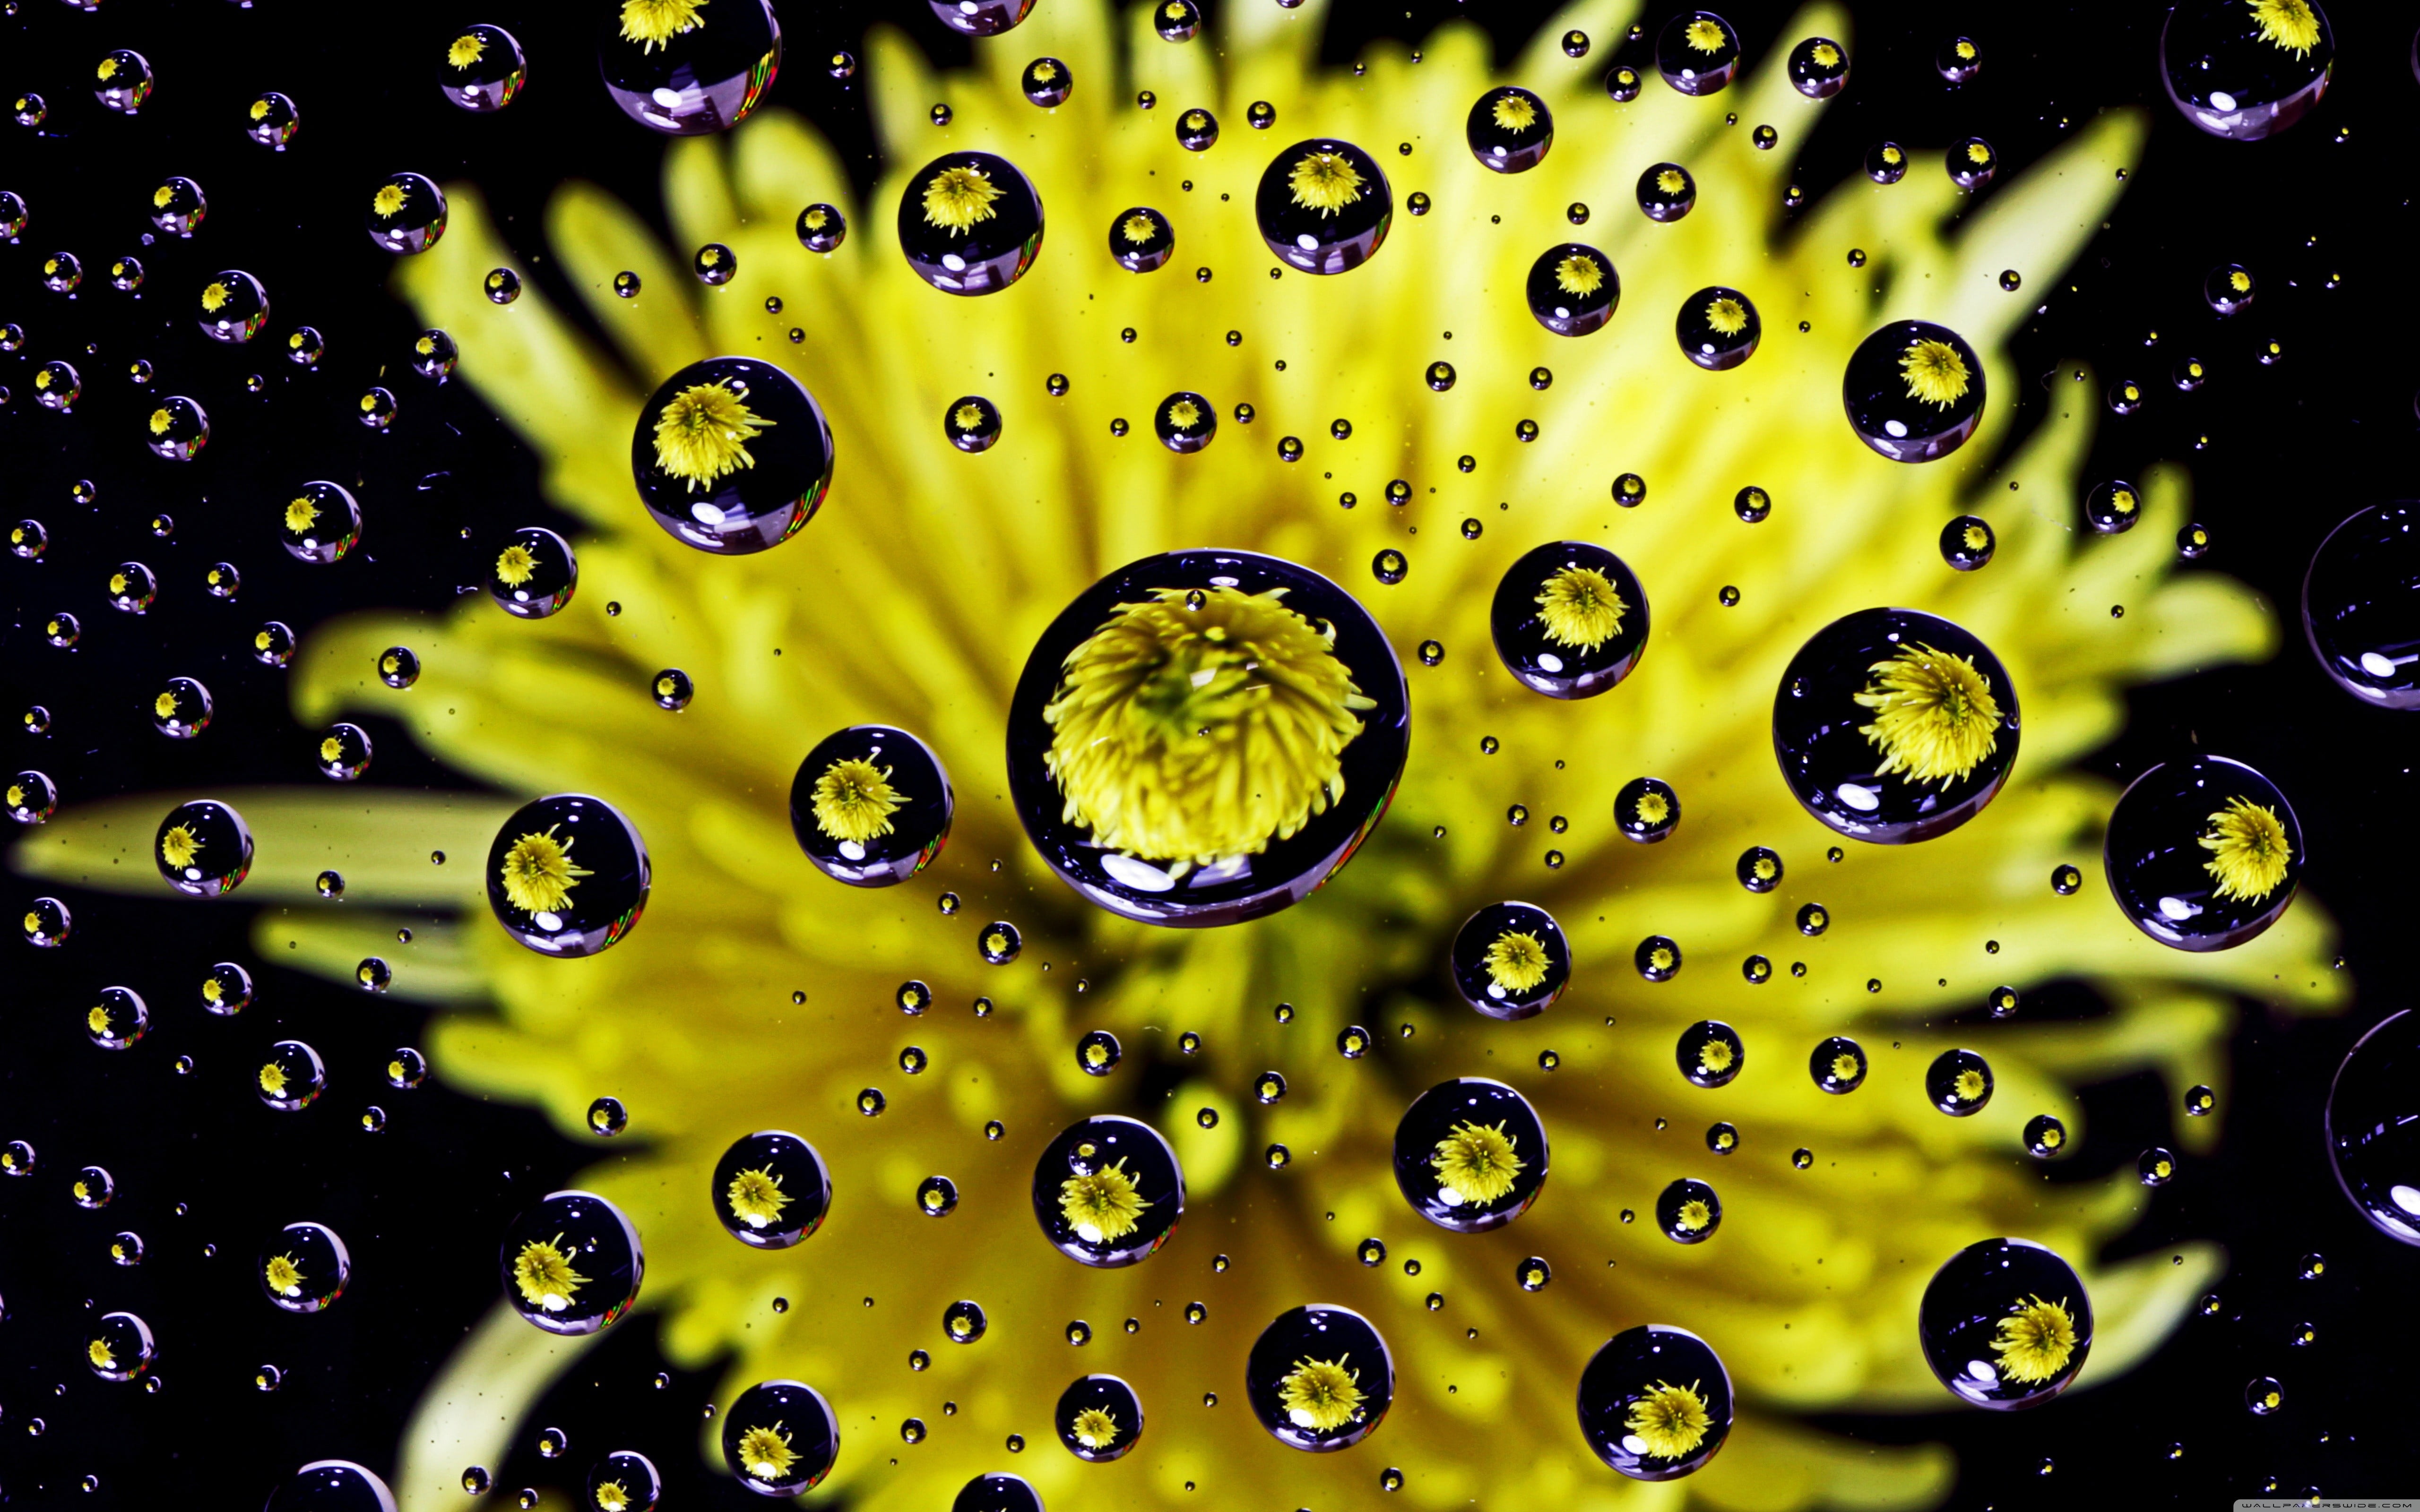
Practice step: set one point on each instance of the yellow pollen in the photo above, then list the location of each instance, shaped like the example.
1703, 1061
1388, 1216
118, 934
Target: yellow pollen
651, 23
854, 800
160, 421
1652, 807
1978, 153
1580, 607
272, 1078
1516, 961
1093, 1429
1727, 315
1694, 1216
1705, 36
2288, 24
703, 433
388, 202
543, 1274
1188, 734
1325, 182
1102, 1204
537, 872
1671, 180
98, 1019
1826, 56
1321, 1394
1475, 1164
1935, 717
464, 50
2034, 1341
1968, 1085
100, 1353
959, 198
1514, 113
1716, 1056
180, 845
1935, 374
1184, 415
300, 514
214, 296
515, 565
1669, 1421
2248, 850
1580, 274
284, 1277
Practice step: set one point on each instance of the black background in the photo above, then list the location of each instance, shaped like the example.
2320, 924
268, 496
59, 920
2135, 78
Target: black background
2279, 454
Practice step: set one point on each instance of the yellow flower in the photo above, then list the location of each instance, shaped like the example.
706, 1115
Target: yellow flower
160, 421
1516, 961
2248, 850
163, 196
272, 1078
765, 1453
1580, 274
543, 1274
1669, 1421
1184, 414
98, 1019
101, 1354
1321, 1394
515, 565
180, 845
703, 433
1704, 35
1726, 315
1581, 608
538, 874
1514, 113
1476, 1162
1934, 716
284, 1277
1138, 229
651, 23
757, 1198
1935, 374
1978, 153
1324, 181
214, 296
464, 50
1093, 1429
2033, 1341
854, 800
1826, 56
695, 1015
1967, 1085
959, 198
1671, 180
388, 202
301, 513
2288, 24
1102, 1204
1716, 1056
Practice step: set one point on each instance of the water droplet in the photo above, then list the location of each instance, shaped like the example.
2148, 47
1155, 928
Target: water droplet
1710, 1053
1324, 205
1320, 1377
1509, 129
1959, 1083
1667, 192
1689, 1211
567, 875
2203, 853
1697, 53
2005, 1325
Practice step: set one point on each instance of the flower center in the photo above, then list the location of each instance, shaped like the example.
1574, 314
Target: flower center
1704, 35
387, 202
515, 565
1580, 274
273, 1079
214, 296
1514, 113
1694, 1216
1671, 180
284, 1275
1652, 808
1093, 1429
767, 1452
1716, 1056
180, 845
300, 514
1184, 415
465, 51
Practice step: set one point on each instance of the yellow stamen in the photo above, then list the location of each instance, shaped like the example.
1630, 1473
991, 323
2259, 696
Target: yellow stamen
1727, 315
959, 198
2035, 1342
1716, 1056
180, 845
1325, 182
1580, 607
1669, 1421
1093, 1429
537, 872
704, 434
388, 202
854, 801
1184, 415
1514, 113
2248, 850
1516, 961
651, 23
1103, 1204
1935, 374
1703, 34
465, 50
544, 1275
285, 1277
1580, 274
300, 514
1188, 734
756, 1197
1935, 717
2288, 24
1671, 180
1475, 1164
515, 565
1321, 1394
214, 296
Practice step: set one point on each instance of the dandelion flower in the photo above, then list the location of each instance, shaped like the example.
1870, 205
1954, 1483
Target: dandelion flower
543, 1274
1934, 716
959, 198
1516, 961
651, 23
1475, 1164
1321, 1394
1514, 113
2034, 1341
464, 50
1324, 181
1581, 608
766, 1452
1669, 1421
2289, 25
388, 202
1103, 1204
697, 1018
301, 513
1580, 274
1726, 315
2248, 850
